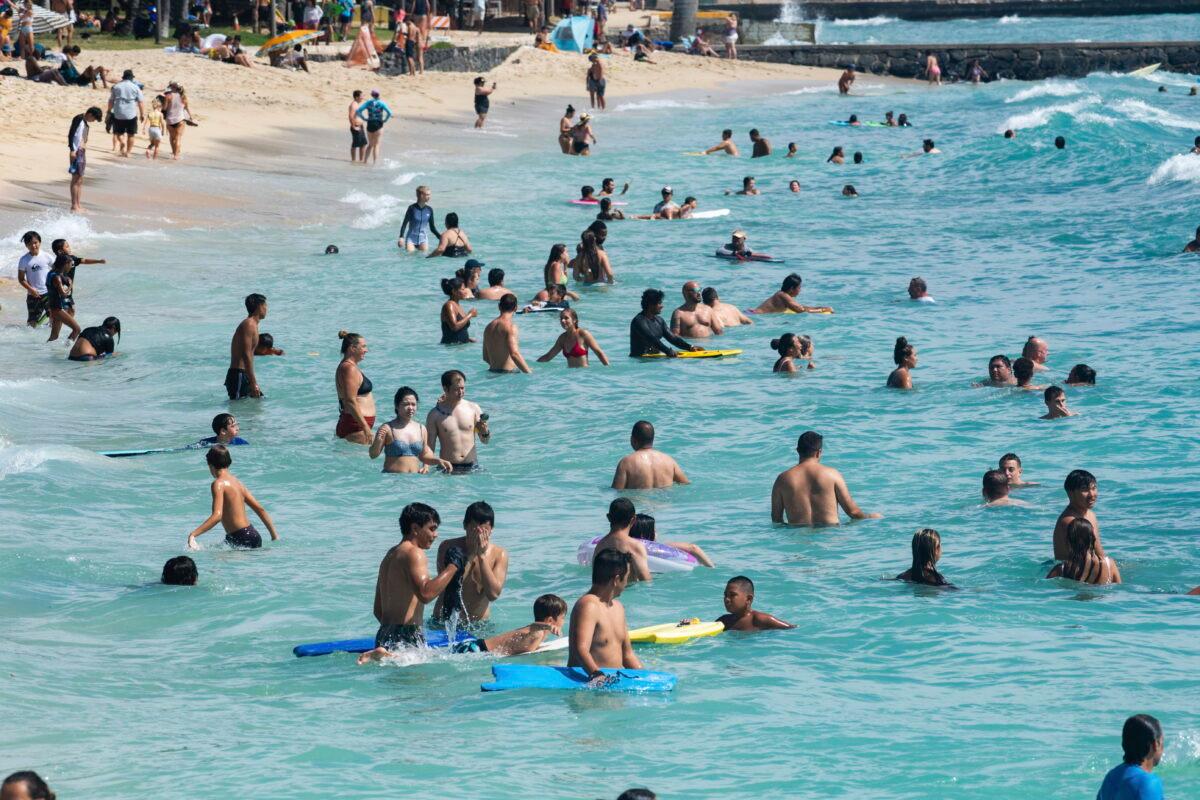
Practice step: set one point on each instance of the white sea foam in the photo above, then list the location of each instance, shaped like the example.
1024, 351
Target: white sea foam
655, 105
1139, 111
377, 210
53, 225
813, 90
1011, 19
19, 459
1092, 116
1047, 89
1184, 167
405, 178
1040, 116
870, 22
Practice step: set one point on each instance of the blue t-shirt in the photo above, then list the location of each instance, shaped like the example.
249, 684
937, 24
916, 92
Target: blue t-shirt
1130, 782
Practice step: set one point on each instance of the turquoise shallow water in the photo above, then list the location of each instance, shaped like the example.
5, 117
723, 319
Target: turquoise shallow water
115, 686
1013, 28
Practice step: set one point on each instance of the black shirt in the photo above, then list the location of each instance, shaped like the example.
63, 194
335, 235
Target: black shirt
646, 335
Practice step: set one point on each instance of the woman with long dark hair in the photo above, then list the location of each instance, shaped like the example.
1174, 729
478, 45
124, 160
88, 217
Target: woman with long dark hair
926, 551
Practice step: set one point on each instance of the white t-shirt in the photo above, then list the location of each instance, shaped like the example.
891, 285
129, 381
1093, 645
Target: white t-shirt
36, 268
125, 98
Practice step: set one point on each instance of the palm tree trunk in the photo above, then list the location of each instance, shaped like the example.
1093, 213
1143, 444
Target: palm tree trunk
274, 22
683, 19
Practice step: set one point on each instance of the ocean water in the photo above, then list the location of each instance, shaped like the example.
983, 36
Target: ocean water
115, 686
1012, 29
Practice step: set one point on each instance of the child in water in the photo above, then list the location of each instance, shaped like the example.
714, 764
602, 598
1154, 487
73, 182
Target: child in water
266, 346
230, 498
739, 597
643, 528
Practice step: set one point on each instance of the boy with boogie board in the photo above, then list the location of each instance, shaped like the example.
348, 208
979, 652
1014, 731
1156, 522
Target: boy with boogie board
739, 597
599, 634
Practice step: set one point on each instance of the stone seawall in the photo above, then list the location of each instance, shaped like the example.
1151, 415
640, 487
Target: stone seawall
1025, 62
959, 9
453, 59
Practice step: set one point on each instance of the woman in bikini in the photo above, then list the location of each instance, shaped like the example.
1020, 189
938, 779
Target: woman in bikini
1083, 563
454, 242
905, 356
403, 441
564, 129
926, 552
556, 266
591, 264
933, 72
456, 322
574, 342
356, 403
791, 347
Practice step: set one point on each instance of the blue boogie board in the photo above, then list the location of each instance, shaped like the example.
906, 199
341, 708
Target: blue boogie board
529, 676
435, 639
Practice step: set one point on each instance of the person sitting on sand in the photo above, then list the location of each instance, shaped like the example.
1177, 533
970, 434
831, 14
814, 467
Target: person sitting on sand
730, 315
453, 242
39, 74
1023, 373
999, 372
784, 300
701, 47
1194, 245
762, 146
404, 441
229, 500
791, 347
599, 633
740, 616
1056, 403
574, 342
621, 518
728, 147
483, 568
846, 80
644, 529
905, 356
1084, 562
72, 74
810, 492
645, 467
1081, 375
996, 489
926, 552
693, 319
918, 291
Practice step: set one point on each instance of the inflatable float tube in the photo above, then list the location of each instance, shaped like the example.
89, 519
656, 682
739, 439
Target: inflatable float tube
786, 311
529, 676
844, 123
661, 557
581, 202
764, 257
676, 632
435, 639
694, 354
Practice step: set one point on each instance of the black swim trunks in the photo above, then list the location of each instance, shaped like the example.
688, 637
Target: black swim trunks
470, 646
579, 147
466, 468
374, 125
482, 104
246, 539
236, 384
393, 636
36, 306
358, 138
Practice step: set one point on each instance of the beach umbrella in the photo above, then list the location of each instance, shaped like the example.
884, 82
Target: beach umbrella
46, 21
285, 41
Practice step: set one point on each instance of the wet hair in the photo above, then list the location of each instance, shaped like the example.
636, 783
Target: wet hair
589, 251
35, 787
643, 527
479, 512
266, 340
1078, 480
179, 571
495, 276
753, 132
621, 512
56, 245
791, 147
783, 343
903, 119
555, 288
709, 295
587, 191
569, 312
741, 582
606, 182
1082, 373
809, 444
901, 351
452, 285
927, 145
651, 298
792, 281
806, 345
837, 151
924, 558
1060, 142
1010, 133
556, 252
849, 191
254, 301
221, 421
605, 204
1030, 346
449, 375
1023, 370
401, 393
218, 457
1081, 540
331, 250
114, 324
548, 606
725, 134
1139, 734
607, 565
689, 199
995, 484
638, 793
918, 284
415, 515
1010, 457
1001, 358
508, 302
643, 433
746, 181
858, 157
348, 340
1053, 393
853, 118
452, 220
465, 272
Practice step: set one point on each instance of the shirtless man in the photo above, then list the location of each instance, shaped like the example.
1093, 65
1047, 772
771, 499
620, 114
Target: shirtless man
240, 380
484, 568
729, 315
403, 585
918, 291
1010, 465
621, 516
1023, 369
810, 493
1194, 245
996, 489
1080, 486
762, 147
495, 289
358, 137
645, 467
1056, 403
785, 300
501, 350
456, 421
846, 80
229, 501
599, 635
693, 319
748, 187
726, 146
1036, 350
999, 372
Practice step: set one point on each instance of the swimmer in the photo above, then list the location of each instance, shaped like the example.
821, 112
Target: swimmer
689, 206
574, 342
60, 305
1056, 403
726, 146
905, 356
97, 341
1194, 245
644, 529
331, 250
1010, 465
403, 585
1196, 151
785, 300
1081, 375
694, 319
739, 597
858, 157
599, 633
229, 500
1023, 372
996, 490
790, 347
225, 432
356, 402
453, 242
926, 552
587, 194
1010, 134
591, 264
849, 191
810, 492
555, 295
621, 519
456, 321
737, 246
918, 291
730, 315
853, 120
266, 346
792, 150
240, 380
977, 73
469, 274
1142, 741
501, 345
647, 330
565, 124
903, 122
889, 119
582, 136
762, 147
929, 148
1060, 142
27, 784
1082, 493
179, 571
1082, 562
1036, 350
455, 422
645, 467
483, 568
748, 187
608, 187
838, 156
846, 80
608, 213
418, 223
549, 616
666, 207
404, 441
495, 288
557, 263
999, 372
794, 186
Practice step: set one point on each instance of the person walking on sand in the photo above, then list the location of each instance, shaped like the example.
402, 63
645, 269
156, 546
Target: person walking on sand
596, 84
482, 101
933, 72
376, 113
810, 492
177, 114
358, 137
77, 151
126, 105
229, 500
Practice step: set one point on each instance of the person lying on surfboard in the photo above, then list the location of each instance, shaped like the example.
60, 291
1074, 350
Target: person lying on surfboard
784, 300
225, 426
739, 597
736, 247
672, 212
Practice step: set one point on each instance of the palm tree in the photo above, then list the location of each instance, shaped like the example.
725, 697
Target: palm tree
683, 19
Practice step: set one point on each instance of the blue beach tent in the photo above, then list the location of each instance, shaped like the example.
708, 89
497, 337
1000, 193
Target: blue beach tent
573, 34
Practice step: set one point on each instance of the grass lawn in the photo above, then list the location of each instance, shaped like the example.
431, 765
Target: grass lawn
108, 41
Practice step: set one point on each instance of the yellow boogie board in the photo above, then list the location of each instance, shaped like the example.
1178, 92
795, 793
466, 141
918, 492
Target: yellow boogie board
697, 354
676, 632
